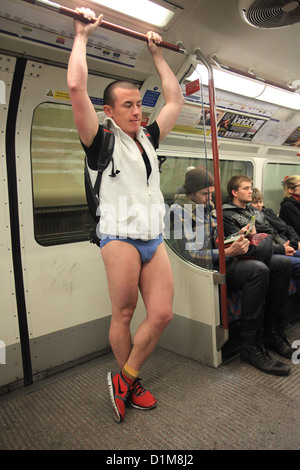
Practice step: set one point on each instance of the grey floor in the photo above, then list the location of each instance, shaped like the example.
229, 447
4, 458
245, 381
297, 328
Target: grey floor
232, 407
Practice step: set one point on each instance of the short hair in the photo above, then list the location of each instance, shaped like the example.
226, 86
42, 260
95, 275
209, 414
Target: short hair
290, 182
108, 95
257, 195
235, 182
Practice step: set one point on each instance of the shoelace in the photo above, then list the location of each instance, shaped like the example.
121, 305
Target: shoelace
263, 353
137, 387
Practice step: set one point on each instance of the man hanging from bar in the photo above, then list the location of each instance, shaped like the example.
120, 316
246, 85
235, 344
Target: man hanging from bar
132, 250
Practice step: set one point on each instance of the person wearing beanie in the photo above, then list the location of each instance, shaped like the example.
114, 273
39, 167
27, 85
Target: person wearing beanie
194, 236
197, 179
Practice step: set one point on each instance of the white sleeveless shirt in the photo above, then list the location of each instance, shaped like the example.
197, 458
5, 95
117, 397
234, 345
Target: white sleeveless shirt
130, 206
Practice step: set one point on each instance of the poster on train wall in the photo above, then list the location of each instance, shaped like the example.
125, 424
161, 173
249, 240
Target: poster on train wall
230, 101
194, 120
294, 139
239, 126
274, 132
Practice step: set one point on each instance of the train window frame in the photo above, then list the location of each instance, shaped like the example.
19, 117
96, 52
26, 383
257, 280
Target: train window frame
60, 222
187, 162
273, 198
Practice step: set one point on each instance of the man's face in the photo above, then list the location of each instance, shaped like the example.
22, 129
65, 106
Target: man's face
126, 111
244, 194
203, 195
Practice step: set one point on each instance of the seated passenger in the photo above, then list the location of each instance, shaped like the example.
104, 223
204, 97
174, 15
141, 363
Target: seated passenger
290, 206
282, 232
258, 281
285, 231
235, 215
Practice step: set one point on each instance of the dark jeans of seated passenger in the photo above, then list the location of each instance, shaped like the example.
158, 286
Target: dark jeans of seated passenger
264, 288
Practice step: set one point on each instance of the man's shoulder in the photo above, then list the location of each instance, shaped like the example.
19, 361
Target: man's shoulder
230, 206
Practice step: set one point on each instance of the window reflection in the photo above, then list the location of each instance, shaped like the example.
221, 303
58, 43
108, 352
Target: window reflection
60, 210
199, 249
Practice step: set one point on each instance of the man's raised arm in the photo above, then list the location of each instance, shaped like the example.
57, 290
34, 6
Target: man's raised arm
84, 113
174, 100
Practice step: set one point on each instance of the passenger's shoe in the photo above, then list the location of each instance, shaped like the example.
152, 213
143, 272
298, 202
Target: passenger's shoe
119, 392
275, 339
253, 352
141, 398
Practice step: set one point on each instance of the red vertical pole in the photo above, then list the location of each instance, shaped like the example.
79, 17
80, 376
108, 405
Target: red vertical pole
218, 193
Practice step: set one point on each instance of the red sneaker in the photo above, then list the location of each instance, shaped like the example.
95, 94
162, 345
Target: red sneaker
119, 392
141, 398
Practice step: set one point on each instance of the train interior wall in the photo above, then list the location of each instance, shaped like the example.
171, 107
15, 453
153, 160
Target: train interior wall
64, 295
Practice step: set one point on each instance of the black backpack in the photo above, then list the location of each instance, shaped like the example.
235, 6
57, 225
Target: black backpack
104, 158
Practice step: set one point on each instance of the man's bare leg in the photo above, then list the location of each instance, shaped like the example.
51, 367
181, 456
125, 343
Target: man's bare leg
123, 266
156, 284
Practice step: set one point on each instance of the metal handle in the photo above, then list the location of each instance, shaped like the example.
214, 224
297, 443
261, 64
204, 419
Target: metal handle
105, 24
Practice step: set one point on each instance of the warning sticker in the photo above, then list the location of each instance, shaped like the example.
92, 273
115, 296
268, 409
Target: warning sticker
62, 95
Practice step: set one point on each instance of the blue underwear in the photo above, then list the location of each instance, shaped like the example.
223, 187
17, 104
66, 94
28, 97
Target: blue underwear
146, 248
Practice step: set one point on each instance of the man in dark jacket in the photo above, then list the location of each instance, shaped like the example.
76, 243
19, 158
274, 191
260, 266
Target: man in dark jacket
236, 215
250, 276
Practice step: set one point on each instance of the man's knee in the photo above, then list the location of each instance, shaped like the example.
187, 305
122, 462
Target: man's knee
123, 315
281, 264
167, 317
258, 273
162, 318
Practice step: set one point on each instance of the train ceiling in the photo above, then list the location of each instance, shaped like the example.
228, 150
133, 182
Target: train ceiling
216, 26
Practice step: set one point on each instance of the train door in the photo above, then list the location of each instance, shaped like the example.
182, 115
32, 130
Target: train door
66, 308
10, 345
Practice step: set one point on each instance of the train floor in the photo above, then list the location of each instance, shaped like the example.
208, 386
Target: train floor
233, 407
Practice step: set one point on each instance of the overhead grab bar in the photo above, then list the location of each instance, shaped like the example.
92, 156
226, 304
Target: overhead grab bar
105, 24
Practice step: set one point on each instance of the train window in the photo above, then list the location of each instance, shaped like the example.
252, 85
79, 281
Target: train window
61, 214
274, 175
172, 181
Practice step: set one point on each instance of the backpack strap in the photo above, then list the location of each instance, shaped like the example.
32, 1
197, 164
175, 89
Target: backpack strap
161, 159
105, 156
148, 135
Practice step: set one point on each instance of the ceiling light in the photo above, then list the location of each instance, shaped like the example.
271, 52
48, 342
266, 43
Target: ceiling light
287, 99
144, 10
234, 83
